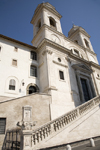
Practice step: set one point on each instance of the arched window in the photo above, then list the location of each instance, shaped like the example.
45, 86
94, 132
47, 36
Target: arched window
39, 24
52, 23
12, 84
86, 43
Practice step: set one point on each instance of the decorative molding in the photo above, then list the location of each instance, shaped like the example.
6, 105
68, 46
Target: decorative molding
51, 88
82, 67
47, 51
68, 59
60, 64
98, 78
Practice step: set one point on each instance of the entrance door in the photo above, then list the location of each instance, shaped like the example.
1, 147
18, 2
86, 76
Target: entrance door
85, 89
32, 89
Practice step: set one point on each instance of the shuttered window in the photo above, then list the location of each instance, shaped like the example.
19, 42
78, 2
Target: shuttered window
33, 71
33, 55
12, 84
2, 125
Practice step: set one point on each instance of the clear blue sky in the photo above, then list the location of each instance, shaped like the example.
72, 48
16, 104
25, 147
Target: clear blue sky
15, 17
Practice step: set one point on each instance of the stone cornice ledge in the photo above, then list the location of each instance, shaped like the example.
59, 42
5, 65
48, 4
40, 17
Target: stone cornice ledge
47, 51
59, 64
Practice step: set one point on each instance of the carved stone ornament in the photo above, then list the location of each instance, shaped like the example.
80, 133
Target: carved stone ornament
47, 51
26, 125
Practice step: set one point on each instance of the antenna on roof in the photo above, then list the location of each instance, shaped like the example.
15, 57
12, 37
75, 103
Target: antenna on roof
73, 24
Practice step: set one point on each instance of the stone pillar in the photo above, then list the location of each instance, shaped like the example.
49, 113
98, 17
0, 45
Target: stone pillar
68, 147
26, 128
92, 144
79, 86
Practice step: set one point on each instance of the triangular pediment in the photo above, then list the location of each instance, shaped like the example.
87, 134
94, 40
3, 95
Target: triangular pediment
82, 67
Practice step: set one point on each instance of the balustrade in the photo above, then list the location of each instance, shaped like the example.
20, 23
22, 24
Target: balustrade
55, 125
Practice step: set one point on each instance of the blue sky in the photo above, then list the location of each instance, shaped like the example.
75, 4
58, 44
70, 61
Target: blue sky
15, 17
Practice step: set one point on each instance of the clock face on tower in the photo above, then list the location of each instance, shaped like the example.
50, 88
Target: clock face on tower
55, 39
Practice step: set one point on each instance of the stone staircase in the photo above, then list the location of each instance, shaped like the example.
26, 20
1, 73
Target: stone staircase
50, 129
53, 132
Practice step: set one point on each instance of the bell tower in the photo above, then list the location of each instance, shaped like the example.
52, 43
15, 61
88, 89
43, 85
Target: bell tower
80, 36
45, 20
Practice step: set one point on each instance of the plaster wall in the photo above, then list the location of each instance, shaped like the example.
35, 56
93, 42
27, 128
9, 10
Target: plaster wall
20, 73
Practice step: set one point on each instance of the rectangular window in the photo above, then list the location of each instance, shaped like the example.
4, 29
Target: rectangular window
33, 71
61, 74
2, 125
11, 87
14, 62
16, 49
33, 55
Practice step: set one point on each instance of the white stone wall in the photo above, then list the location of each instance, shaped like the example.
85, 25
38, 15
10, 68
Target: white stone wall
20, 73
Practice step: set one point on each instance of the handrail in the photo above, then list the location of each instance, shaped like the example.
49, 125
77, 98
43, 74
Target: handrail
12, 139
52, 126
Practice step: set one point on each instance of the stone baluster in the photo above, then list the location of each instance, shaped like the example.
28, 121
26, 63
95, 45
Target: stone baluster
52, 128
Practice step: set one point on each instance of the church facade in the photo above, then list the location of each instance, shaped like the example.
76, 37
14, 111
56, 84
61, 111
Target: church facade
66, 68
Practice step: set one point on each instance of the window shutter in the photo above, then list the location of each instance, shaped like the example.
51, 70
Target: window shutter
33, 55
33, 71
2, 125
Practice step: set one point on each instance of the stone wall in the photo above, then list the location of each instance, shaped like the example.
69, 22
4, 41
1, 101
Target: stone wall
12, 110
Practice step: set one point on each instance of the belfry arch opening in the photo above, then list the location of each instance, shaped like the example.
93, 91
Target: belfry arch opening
52, 22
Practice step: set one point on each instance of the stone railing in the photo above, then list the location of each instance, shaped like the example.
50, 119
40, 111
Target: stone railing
12, 140
53, 126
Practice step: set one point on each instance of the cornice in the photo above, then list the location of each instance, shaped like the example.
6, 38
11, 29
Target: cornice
47, 51
38, 9
70, 54
66, 38
79, 30
18, 42
60, 64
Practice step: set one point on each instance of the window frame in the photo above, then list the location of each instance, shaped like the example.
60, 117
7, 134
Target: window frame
4, 126
16, 62
34, 55
32, 65
12, 84
76, 52
15, 49
61, 78
54, 22
86, 43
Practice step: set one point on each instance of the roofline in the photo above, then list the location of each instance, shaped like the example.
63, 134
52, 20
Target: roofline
16, 41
